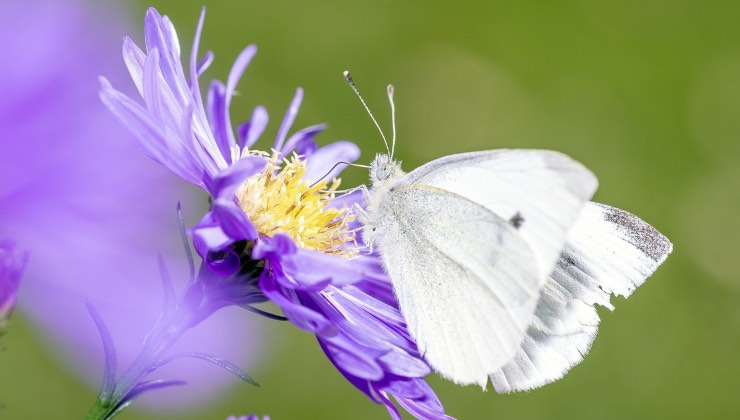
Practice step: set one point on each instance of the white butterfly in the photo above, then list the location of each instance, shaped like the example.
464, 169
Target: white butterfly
498, 257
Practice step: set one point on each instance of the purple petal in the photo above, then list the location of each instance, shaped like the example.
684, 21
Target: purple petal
218, 115
218, 361
159, 98
237, 70
224, 262
313, 267
109, 351
288, 120
205, 62
233, 221
392, 410
301, 316
134, 58
400, 363
220, 101
208, 236
302, 141
428, 408
320, 163
403, 387
194, 86
169, 29
158, 145
229, 180
365, 296
160, 42
251, 131
367, 328
354, 359
274, 247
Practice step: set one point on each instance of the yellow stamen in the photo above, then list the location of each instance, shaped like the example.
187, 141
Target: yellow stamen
279, 200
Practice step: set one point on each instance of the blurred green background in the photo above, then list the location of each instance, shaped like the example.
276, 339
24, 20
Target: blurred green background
645, 93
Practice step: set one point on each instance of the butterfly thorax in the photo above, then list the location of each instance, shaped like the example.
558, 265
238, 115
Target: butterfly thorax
384, 175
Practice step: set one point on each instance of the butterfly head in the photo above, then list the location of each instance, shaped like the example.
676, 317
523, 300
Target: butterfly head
383, 169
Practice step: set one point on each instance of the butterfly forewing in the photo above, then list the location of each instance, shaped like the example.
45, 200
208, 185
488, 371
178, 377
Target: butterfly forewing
540, 192
464, 277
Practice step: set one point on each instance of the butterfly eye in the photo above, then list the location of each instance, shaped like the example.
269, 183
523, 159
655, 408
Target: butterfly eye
383, 172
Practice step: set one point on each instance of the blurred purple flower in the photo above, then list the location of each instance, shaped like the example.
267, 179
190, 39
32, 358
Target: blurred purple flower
12, 265
204, 294
249, 417
90, 210
269, 208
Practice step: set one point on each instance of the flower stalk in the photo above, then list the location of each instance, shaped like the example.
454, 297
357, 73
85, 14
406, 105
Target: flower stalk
204, 295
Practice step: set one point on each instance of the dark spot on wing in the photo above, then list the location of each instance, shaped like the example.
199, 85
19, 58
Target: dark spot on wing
566, 260
645, 237
517, 220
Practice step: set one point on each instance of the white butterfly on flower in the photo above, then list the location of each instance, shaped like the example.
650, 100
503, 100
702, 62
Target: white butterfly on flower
499, 257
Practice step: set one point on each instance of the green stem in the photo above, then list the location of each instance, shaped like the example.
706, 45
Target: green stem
107, 406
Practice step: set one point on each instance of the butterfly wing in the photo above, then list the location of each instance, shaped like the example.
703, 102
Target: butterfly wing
543, 191
464, 279
608, 251
468, 241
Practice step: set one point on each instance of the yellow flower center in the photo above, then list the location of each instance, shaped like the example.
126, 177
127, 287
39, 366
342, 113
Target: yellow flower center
279, 200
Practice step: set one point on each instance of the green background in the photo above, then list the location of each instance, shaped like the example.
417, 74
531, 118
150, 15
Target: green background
645, 93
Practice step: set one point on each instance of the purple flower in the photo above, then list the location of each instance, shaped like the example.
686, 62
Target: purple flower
12, 265
205, 294
275, 210
249, 417
89, 209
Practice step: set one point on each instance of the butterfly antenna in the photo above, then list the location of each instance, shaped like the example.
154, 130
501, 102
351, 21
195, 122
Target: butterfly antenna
351, 82
393, 119
333, 167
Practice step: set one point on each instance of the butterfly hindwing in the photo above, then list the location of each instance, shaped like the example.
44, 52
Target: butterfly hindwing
608, 252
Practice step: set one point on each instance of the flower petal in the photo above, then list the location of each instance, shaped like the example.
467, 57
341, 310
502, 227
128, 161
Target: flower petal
159, 37
400, 363
302, 141
288, 120
159, 145
306, 269
366, 328
227, 182
392, 410
208, 236
224, 262
134, 58
233, 221
272, 248
296, 311
425, 408
159, 98
237, 70
319, 164
205, 62
250, 131
352, 358
218, 116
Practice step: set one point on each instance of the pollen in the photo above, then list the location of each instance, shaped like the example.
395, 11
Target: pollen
279, 200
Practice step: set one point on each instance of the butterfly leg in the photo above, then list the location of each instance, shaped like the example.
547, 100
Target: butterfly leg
362, 215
